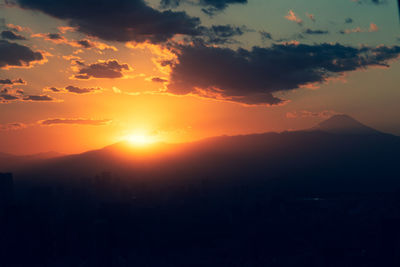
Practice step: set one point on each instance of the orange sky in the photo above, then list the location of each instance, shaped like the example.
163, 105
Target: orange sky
121, 107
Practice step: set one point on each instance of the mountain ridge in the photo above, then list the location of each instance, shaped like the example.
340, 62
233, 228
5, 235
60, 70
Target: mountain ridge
344, 124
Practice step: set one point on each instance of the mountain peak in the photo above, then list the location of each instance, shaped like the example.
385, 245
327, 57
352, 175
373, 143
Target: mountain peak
344, 124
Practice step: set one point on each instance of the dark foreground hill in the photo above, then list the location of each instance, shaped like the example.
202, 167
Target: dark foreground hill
325, 197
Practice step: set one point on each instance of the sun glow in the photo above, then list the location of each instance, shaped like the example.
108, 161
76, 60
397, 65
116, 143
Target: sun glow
140, 139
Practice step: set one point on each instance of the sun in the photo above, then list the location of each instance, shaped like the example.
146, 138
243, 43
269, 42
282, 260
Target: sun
140, 139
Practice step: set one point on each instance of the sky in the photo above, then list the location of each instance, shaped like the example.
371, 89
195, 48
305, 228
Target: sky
79, 75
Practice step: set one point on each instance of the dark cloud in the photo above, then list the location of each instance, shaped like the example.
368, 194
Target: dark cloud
11, 82
74, 90
54, 36
265, 35
210, 6
16, 55
109, 69
375, 2
315, 32
10, 35
78, 90
75, 121
9, 94
215, 6
170, 3
222, 34
85, 43
253, 76
12, 126
80, 63
158, 80
348, 20
53, 89
226, 31
118, 20
6, 81
8, 97
19, 81
38, 98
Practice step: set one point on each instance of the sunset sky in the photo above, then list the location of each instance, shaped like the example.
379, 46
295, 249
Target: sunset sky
78, 75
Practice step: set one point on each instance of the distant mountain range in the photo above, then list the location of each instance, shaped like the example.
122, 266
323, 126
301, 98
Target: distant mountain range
9, 162
339, 154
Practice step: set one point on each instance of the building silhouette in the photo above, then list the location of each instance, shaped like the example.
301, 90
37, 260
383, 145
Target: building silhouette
6, 188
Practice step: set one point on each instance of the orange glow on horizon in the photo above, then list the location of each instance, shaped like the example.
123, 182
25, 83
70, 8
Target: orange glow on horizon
140, 139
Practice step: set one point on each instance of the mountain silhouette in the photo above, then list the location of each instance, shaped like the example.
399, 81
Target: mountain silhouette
344, 124
357, 159
9, 162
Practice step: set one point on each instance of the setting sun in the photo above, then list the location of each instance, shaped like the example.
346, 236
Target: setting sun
140, 139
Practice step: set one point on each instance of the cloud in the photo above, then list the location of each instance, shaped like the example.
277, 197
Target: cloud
78, 90
51, 37
315, 32
88, 44
265, 35
9, 94
354, 30
292, 17
16, 55
254, 76
118, 20
75, 121
215, 6
11, 35
73, 89
53, 89
18, 28
373, 27
38, 98
158, 80
84, 43
5, 97
375, 2
12, 82
310, 114
54, 36
108, 69
222, 34
211, 7
12, 126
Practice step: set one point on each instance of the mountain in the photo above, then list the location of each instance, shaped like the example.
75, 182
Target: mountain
9, 162
344, 124
357, 159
